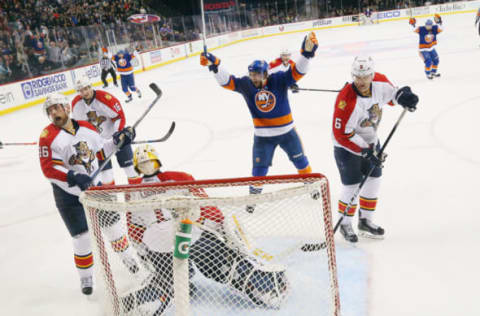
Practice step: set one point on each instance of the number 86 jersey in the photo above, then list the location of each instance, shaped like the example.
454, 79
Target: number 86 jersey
357, 117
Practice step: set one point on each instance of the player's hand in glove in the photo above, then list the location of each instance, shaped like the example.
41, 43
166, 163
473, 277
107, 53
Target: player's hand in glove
1, 145
209, 60
82, 180
438, 19
406, 98
294, 87
373, 156
412, 22
309, 45
124, 137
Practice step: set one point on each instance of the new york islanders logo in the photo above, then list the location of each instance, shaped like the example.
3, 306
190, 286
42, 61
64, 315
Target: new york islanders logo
429, 38
265, 101
84, 156
96, 120
122, 62
374, 117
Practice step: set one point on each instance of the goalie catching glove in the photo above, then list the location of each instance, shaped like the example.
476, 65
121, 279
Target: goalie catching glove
209, 60
406, 98
309, 45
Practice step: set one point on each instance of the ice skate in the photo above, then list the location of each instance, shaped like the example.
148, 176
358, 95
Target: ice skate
87, 285
368, 229
347, 232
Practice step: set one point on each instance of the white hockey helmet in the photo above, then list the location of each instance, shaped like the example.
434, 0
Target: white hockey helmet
362, 66
56, 98
142, 155
285, 52
81, 83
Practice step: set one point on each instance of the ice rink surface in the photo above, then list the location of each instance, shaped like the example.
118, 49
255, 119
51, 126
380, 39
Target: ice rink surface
428, 263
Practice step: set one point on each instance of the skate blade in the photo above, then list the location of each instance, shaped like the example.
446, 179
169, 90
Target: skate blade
370, 236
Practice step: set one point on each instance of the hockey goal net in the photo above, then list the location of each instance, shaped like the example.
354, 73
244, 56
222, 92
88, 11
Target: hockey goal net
192, 248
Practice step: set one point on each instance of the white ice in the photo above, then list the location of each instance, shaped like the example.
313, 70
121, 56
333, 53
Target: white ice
427, 265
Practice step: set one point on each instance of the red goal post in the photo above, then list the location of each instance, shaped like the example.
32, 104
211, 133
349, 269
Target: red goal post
261, 269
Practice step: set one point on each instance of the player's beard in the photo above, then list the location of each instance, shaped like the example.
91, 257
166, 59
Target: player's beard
60, 120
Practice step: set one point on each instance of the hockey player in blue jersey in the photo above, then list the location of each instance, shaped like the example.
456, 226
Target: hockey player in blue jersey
267, 99
124, 67
427, 42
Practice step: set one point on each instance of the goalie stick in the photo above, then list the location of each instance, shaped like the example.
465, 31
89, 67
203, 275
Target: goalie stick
158, 92
316, 247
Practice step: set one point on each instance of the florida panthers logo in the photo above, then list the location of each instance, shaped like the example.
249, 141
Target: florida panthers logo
265, 101
96, 120
374, 117
122, 62
84, 156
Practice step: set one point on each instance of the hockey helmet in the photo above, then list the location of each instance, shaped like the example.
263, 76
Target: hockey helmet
142, 155
258, 66
56, 98
362, 66
285, 52
81, 83
429, 22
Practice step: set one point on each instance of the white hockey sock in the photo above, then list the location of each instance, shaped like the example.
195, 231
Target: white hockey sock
345, 197
130, 172
107, 177
83, 257
368, 197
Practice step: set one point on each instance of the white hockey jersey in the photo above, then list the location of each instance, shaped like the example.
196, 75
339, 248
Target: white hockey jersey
277, 65
61, 151
356, 118
105, 113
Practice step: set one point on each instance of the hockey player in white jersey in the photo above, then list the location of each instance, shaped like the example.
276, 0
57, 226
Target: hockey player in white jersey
358, 111
105, 113
215, 253
68, 151
108, 67
283, 63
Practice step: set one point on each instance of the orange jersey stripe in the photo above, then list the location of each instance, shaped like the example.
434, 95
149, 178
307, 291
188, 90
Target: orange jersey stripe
295, 74
277, 121
428, 45
230, 85
125, 69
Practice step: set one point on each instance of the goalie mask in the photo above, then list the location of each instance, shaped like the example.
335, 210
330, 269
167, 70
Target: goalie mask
145, 160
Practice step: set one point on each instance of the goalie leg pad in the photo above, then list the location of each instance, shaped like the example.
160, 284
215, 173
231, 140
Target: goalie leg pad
264, 284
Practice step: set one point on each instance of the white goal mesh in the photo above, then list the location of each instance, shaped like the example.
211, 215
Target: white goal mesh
368, 20
192, 248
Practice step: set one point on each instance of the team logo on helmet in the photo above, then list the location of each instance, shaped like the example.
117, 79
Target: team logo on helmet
374, 117
265, 101
84, 156
96, 120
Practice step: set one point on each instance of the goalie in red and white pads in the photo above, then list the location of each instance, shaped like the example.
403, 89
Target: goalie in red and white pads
218, 254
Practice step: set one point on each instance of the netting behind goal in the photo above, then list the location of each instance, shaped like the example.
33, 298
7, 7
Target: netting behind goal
210, 248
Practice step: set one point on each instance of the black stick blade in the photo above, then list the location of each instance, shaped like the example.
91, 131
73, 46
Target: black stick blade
155, 89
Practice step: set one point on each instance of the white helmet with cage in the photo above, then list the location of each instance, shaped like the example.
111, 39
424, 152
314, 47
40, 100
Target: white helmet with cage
362, 66
56, 98
81, 83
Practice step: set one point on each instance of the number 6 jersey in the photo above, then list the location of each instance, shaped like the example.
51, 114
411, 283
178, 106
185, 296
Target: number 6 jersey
356, 117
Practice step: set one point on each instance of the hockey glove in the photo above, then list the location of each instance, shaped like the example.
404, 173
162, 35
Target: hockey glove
412, 22
438, 19
124, 137
294, 87
82, 180
309, 45
373, 156
209, 60
1, 145
406, 98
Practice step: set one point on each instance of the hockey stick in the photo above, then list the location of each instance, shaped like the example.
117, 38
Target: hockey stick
158, 92
159, 140
315, 247
16, 144
318, 90
204, 29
